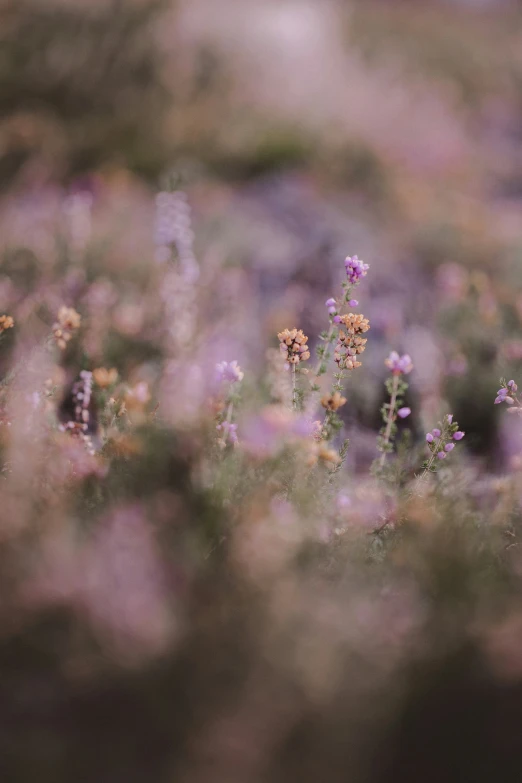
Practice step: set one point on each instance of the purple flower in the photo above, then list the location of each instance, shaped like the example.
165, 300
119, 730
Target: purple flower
228, 432
353, 302
330, 302
436, 433
229, 371
449, 447
337, 319
403, 412
512, 385
399, 364
355, 269
449, 418
429, 438
332, 310
458, 435
441, 455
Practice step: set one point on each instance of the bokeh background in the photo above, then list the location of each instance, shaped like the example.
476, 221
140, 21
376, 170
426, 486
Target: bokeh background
300, 131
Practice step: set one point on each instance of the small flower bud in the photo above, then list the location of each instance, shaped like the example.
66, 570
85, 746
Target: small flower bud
458, 435
353, 302
403, 412
441, 455
429, 437
449, 447
436, 433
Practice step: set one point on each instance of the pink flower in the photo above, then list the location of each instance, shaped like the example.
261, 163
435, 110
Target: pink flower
458, 435
399, 364
403, 412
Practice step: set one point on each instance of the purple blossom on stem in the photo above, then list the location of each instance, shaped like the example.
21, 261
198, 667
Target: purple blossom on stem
229, 371
355, 269
429, 438
441, 455
403, 413
228, 432
458, 435
449, 447
436, 433
399, 365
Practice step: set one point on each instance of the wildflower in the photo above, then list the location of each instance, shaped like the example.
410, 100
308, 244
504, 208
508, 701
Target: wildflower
331, 305
81, 398
355, 269
293, 345
403, 413
440, 441
229, 371
353, 302
6, 322
104, 378
321, 452
228, 432
68, 321
350, 344
399, 365
333, 402
355, 323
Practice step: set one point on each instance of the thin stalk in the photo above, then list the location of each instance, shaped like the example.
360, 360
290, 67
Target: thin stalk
294, 401
389, 423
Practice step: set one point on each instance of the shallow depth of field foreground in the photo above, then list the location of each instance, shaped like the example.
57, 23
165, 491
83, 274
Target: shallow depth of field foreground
260, 418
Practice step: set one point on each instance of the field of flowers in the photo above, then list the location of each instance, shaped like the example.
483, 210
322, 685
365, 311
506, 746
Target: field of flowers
260, 428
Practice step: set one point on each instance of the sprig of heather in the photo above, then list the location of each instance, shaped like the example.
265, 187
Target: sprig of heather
396, 387
349, 344
441, 442
508, 394
229, 375
293, 344
355, 271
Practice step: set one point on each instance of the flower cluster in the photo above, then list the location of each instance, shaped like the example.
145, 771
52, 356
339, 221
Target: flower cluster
293, 345
396, 387
227, 434
441, 440
81, 398
6, 322
399, 365
67, 322
229, 371
350, 344
355, 269
507, 393
332, 402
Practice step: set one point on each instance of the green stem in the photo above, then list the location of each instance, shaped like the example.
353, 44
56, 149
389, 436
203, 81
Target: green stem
391, 415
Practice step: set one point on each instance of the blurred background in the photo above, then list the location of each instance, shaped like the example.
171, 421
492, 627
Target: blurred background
299, 132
